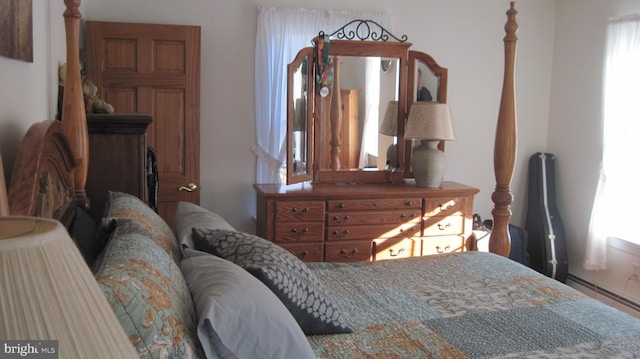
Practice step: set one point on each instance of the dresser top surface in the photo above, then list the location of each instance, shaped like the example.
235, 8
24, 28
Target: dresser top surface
362, 190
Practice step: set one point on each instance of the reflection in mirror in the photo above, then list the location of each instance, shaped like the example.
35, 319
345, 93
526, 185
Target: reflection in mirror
300, 97
426, 83
365, 91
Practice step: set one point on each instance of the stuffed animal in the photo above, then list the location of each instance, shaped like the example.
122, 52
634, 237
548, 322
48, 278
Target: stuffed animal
92, 102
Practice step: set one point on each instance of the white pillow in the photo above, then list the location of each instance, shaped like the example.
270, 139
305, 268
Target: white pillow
238, 316
190, 215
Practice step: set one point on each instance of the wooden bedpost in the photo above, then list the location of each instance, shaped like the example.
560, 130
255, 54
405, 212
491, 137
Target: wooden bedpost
505, 149
74, 117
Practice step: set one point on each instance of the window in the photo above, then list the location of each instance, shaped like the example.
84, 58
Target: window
617, 196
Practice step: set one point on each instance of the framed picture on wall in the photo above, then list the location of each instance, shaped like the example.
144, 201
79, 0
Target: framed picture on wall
16, 29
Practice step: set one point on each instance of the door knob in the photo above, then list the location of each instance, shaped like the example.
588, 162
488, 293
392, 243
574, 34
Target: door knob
189, 188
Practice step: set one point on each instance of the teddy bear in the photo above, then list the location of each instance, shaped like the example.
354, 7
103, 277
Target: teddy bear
92, 102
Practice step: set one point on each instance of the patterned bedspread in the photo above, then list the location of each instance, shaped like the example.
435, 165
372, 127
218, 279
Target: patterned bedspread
467, 305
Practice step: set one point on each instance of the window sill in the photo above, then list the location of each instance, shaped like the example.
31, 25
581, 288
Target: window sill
625, 246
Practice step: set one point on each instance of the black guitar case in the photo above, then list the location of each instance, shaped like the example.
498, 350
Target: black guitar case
547, 244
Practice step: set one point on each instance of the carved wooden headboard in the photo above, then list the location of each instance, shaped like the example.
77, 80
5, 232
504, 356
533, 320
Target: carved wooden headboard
42, 183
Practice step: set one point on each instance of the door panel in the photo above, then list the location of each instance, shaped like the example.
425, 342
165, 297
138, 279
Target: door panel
154, 69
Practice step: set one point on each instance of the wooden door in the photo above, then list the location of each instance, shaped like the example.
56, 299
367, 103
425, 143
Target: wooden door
154, 69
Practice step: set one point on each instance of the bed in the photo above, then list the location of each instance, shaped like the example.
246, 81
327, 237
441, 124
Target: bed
458, 305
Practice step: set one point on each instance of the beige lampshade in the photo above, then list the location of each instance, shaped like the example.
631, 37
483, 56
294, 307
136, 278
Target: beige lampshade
47, 292
389, 124
430, 121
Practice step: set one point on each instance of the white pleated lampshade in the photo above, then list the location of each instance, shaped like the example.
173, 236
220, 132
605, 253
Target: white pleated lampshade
47, 292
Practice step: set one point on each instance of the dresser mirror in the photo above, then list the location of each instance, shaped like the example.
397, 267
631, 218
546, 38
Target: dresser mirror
336, 105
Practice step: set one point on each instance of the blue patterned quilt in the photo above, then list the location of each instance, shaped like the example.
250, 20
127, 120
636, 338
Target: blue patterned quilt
467, 305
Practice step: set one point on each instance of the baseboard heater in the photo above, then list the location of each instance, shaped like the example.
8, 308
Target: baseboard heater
610, 295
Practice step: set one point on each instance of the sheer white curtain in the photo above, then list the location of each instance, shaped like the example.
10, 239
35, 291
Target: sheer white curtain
369, 143
281, 33
614, 210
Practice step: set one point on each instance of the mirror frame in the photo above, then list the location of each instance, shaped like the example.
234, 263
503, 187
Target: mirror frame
407, 62
296, 177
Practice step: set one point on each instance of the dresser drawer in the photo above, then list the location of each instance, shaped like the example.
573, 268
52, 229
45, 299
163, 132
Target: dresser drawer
299, 232
443, 226
348, 251
373, 204
444, 206
292, 211
307, 252
396, 248
442, 245
373, 217
342, 233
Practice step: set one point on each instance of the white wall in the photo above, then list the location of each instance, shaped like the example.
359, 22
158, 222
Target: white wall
575, 130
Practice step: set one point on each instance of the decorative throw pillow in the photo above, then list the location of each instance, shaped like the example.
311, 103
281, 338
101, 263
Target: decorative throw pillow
239, 317
189, 216
148, 295
83, 232
125, 206
282, 272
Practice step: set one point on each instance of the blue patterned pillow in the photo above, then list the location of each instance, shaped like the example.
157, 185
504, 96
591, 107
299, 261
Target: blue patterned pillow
148, 294
125, 206
282, 272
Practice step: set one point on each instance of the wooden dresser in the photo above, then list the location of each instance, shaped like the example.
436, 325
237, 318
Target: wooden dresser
365, 222
117, 157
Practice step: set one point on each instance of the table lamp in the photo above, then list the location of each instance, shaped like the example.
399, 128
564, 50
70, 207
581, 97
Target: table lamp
389, 127
47, 293
431, 123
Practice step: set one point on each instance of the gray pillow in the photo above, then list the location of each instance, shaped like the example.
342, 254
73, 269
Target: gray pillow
238, 317
190, 215
282, 272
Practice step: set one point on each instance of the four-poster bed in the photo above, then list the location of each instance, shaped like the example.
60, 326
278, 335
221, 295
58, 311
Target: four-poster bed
468, 304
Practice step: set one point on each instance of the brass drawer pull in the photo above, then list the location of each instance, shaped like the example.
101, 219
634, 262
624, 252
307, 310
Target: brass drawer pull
339, 219
343, 234
446, 206
295, 230
393, 253
341, 205
410, 203
343, 252
411, 215
446, 249
376, 204
442, 228
301, 255
298, 212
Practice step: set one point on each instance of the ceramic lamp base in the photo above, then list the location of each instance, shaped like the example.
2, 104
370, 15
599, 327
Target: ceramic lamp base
428, 164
